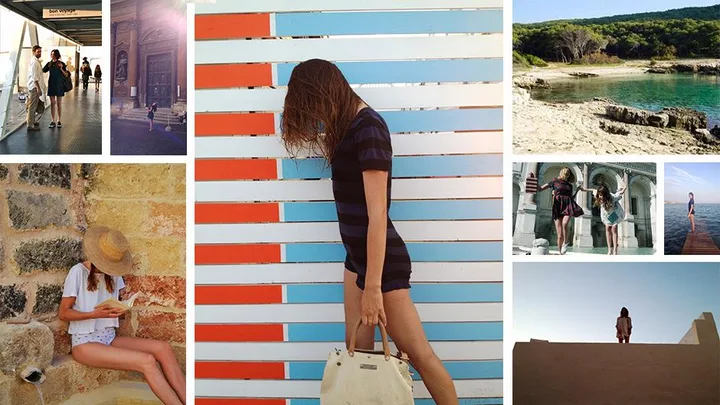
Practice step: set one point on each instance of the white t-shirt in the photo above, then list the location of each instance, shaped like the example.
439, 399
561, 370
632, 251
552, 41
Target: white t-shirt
35, 73
76, 286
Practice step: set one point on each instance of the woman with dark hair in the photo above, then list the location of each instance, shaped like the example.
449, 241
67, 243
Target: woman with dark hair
98, 76
92, 326
323, 114
623, 326
691, 211
56, 85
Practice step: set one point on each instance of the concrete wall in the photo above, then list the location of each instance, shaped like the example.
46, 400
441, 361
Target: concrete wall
44, 210
591, 373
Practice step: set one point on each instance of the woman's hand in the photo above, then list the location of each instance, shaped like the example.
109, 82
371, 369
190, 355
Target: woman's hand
107, 312
372, 309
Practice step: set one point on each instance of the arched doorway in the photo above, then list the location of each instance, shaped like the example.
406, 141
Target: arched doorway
517, 194
642, 208
544, 226
611, 179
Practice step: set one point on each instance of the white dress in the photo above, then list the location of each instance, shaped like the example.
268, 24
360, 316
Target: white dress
615, 214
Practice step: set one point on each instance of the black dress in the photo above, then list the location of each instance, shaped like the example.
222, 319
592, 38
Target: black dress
563, 200
56, 83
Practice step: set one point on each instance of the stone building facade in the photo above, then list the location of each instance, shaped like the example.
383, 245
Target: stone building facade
532, 213
149, 54
44, 211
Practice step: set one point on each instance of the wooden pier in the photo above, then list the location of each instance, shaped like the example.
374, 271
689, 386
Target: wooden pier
699, 243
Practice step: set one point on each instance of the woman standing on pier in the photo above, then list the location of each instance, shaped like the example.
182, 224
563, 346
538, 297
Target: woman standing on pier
691, 211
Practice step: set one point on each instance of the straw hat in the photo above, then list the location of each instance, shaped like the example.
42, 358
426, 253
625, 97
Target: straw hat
108, 250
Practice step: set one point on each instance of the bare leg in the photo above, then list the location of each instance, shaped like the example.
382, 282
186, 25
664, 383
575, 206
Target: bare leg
405, 328
692, 222
609, 236
52, 107
615, 238
163, 352
565, 221
620, 339
59, 107
353, 297
101, 356
558, 229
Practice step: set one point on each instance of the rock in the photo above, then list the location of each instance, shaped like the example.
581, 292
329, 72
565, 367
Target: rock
540, 247
47, 175
614, 128
12, 301
704, 136
28, 210
660, 70
528, 82
3, 172
685, 118
520, 96
628, 115
583, 75
659, 120
604, 100
47, 255
47, 298
715, 131
25, 345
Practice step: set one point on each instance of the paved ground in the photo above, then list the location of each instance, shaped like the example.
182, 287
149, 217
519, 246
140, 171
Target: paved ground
81, 133
133, 138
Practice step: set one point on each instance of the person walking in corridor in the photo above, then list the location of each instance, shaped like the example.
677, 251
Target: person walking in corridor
56, 85
36, 88
86, 73
98, 75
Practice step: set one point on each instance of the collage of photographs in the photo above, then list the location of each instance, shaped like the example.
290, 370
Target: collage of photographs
534, 217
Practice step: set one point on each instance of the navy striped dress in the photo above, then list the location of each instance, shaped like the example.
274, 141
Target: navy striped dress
366, 146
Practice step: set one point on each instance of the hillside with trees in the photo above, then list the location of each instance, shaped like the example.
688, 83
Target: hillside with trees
684, 33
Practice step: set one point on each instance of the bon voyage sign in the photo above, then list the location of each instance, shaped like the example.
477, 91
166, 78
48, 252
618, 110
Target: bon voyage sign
52, 13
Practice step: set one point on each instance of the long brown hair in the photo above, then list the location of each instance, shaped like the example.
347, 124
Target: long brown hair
603, 197
319, 108
92, 281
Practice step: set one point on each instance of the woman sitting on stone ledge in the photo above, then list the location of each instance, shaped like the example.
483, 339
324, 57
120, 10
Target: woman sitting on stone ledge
94, 342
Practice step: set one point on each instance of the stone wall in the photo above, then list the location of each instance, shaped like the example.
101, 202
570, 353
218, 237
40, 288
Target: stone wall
44, 211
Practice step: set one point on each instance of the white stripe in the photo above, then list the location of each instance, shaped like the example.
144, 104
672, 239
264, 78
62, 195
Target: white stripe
383, 98
349, 49
265, 6
444, 143
290, 232
311, 389
304, 313
301, 273
320, 190
318, 351
273, 29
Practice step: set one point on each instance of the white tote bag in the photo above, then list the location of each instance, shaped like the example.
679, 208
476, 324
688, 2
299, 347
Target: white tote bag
362, 377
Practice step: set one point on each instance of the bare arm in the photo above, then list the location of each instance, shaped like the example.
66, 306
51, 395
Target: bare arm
375, 184
67, 313
543, 187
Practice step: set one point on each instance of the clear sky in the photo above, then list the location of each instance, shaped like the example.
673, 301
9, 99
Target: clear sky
700, 178
527, 11
580, 302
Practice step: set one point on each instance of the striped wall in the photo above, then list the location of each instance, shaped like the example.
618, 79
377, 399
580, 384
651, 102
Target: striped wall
268, 252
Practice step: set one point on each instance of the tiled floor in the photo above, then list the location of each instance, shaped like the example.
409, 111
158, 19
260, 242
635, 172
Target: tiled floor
81, 132
133, 138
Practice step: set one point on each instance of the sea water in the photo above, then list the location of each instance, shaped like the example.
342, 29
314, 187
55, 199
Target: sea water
677, 224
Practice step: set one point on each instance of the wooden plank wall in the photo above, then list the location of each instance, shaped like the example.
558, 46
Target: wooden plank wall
268, 252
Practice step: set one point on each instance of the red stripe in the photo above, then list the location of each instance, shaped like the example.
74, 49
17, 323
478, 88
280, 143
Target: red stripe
238, 294
238, 401
239, 370
236, 213
234, 124
234, 75
237, 254
227, 26
235, 169
239, 333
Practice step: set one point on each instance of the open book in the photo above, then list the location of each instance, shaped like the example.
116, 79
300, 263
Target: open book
124, 305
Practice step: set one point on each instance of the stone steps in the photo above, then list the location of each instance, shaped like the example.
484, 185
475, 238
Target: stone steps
161, 115
119, 393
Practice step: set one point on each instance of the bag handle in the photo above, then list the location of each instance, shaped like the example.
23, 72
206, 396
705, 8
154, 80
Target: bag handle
383, 334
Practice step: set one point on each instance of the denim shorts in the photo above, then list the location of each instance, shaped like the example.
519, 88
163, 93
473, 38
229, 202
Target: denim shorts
104, 336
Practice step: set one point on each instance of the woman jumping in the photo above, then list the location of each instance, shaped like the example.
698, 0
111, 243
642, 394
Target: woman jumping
92, 327
611, 213
564, 206
322, 113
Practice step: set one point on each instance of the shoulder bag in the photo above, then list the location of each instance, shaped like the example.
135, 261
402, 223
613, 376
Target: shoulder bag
366, 377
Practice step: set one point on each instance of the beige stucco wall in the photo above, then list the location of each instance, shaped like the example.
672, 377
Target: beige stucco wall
607, 373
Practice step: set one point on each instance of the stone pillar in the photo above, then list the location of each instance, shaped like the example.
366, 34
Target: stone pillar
524, 232
582, 236
627, 237
653, 216
133, 60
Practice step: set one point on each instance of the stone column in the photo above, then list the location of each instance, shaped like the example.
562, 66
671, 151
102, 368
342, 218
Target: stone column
133, 60
582, 236
524, 232
627, 237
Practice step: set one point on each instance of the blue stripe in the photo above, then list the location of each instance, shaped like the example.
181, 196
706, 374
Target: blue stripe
404, 22
459, 370
446, 332
462, 401
406, 166
425, 293
402, 210
471, 119
419, 252
421, 71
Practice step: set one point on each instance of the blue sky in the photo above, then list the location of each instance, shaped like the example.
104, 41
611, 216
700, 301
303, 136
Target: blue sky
580, 302
526, 11
700, 178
